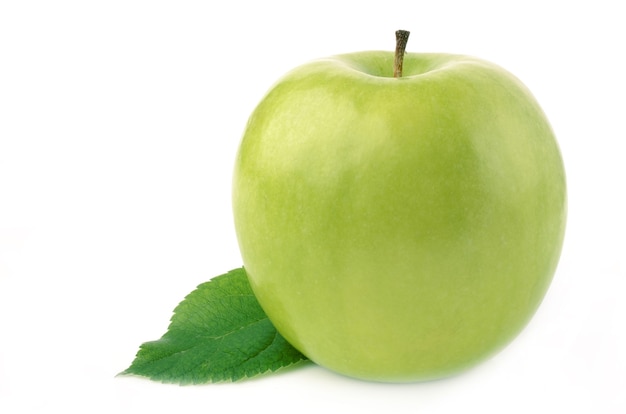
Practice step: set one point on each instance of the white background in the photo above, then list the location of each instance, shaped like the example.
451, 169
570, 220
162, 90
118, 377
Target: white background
119, 122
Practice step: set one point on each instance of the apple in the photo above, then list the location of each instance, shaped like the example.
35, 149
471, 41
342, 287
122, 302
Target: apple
399, 228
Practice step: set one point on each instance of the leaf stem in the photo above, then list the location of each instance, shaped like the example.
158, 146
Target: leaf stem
402, 37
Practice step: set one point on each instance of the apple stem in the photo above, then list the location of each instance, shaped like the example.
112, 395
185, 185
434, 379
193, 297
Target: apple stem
402, 37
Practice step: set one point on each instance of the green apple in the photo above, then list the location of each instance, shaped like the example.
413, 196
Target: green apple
399, 228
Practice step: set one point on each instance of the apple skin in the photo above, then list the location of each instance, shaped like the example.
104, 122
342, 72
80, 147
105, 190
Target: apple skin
399, 229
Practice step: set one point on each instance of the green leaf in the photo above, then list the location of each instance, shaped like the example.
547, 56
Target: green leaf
218, 333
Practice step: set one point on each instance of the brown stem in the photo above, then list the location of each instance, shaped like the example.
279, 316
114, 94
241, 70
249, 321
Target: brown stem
402, 37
